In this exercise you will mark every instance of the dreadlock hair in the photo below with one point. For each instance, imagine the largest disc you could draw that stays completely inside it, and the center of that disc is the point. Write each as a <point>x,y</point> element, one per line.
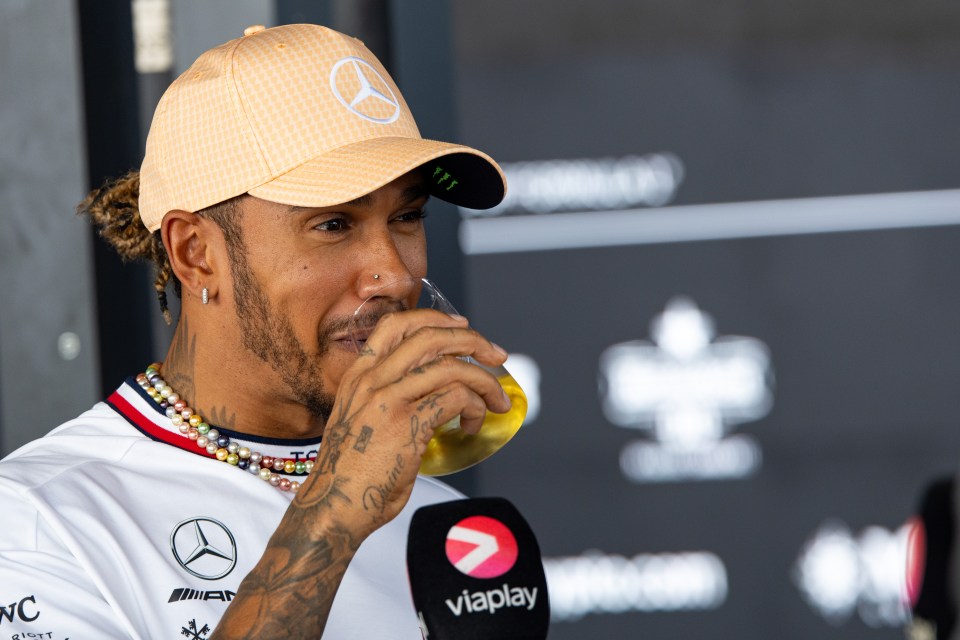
<point>114,210</point>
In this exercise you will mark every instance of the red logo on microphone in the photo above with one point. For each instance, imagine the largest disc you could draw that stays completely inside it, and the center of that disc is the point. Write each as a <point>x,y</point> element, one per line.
<point>481,547</point>
<point>916,559</point>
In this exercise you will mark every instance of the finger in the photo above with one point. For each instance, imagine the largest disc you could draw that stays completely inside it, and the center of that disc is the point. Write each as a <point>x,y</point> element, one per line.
<point>426,345</point>
<point>397,327</point>
<point>393,328</point>
<point>475,386</point>
<point>445,404</point>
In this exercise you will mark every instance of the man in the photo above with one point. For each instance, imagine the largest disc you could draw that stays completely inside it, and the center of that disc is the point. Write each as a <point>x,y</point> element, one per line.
<point>287,181</point>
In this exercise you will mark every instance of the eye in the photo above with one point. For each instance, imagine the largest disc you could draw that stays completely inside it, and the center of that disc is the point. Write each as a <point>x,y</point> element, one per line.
<point>411,216</point>
<point>334,225</point>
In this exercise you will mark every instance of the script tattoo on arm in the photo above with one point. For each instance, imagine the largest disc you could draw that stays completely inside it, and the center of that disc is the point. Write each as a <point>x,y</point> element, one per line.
<point>377,496</point>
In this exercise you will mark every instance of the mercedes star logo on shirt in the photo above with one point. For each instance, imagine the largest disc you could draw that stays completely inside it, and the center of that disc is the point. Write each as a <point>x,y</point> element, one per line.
<point>204,547</point>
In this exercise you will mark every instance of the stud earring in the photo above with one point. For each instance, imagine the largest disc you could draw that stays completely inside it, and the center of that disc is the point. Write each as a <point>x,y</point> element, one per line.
<point>376,276</point>
<point>205,296</point>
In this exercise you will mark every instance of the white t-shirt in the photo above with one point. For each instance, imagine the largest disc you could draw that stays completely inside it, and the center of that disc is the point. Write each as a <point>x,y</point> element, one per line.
<point>110,532</point>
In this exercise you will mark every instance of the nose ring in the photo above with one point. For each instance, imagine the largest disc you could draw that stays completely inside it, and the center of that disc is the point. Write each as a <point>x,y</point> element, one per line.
<point>376,276</point>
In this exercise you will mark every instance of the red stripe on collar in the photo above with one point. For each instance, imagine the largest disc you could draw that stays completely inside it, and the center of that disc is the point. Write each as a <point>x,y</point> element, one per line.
<point>151,430</point>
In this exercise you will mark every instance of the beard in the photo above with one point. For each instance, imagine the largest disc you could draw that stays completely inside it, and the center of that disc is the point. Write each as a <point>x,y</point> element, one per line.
<point>270,336</point>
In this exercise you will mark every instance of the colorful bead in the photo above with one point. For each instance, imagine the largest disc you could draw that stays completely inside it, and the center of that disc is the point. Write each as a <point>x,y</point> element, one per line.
<point>192,426</point>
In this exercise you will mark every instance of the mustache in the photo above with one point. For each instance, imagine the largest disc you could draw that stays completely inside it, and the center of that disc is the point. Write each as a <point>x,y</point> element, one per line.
<point>363,321</point>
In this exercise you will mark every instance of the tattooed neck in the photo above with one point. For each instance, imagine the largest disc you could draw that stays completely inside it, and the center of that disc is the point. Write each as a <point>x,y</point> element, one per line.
<point>179,367</point>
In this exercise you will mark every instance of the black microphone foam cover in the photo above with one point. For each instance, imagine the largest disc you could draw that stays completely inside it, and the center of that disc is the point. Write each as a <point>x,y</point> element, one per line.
<point>930,561</point>
<point>475,572</point>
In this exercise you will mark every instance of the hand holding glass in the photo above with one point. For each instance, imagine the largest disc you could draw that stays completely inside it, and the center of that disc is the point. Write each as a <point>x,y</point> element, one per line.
<point>452,449</point>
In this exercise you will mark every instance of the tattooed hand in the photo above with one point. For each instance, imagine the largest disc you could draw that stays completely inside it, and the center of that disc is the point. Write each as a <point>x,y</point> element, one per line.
<point>407,381</point>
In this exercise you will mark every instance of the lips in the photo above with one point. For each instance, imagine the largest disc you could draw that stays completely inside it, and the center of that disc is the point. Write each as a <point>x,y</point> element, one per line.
<point>361,326</point>
<point>357,335</point>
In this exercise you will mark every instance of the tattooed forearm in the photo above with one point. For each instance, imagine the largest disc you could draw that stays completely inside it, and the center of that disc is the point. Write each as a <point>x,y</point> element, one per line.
<point>323,498</point>
<point>290,591</point>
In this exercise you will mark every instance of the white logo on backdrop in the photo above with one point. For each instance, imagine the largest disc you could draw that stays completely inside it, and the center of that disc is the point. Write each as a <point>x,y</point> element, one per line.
<point>597,583</point>
<point>688,389</point>
<point>587,184</point>
<point>367,90</point>
<point>838,574</point>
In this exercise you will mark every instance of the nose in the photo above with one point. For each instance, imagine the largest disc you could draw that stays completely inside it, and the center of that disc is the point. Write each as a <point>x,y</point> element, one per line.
<point>385,274</point>
<point>399,288</point>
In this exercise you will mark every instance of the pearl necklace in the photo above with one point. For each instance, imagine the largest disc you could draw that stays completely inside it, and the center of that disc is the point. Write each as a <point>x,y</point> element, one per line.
<point>215,444</point>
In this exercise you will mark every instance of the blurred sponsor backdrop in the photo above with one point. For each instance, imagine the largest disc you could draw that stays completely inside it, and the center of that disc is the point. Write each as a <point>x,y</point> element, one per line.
<point>727,271</point>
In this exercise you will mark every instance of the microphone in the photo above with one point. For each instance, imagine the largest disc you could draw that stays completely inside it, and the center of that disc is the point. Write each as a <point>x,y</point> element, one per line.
<point>475,572</point>
<point>929,564</point>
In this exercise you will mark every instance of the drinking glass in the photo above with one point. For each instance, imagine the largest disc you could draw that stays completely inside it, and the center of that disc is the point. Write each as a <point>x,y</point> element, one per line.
<point>451,449</point>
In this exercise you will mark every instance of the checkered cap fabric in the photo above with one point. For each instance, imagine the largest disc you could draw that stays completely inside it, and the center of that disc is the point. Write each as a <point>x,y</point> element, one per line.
<point>300,115</point>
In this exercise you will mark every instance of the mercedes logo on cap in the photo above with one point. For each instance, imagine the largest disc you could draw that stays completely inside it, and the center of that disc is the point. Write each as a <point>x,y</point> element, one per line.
<point>374,96</point>
<point>204,547</point>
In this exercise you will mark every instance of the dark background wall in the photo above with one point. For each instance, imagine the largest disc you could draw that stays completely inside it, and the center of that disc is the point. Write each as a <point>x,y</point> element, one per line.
<point>761,101</point>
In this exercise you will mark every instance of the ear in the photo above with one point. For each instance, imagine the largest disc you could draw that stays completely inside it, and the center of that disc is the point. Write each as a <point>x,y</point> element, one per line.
<point>195,250</point>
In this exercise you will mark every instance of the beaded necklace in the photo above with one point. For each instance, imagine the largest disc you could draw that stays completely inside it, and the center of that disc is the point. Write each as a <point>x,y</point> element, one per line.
<point>215,444</point>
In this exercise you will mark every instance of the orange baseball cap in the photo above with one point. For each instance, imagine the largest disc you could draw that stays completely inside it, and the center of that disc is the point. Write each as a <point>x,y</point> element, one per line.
<point>297,114</point>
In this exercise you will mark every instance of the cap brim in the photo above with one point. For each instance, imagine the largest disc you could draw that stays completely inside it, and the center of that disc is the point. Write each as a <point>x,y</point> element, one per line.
<point>457,174</point>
